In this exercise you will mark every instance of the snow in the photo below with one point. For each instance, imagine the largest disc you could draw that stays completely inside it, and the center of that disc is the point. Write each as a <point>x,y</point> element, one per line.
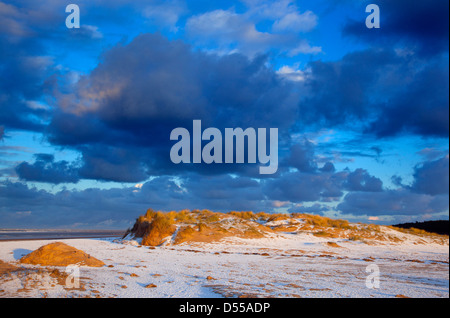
<point>283,265</point>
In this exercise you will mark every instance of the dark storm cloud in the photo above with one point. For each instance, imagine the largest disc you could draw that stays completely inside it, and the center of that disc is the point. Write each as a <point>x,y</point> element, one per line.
<point>45,169</point>
<point>422,107</point>
<point>432,177</point>
<point>96,207</point>
<point>428,194</point>
<point>302,157</point>
<point>119,116</point>
<point>324,185</point>
<point>380,91</point>
<point>153,81</point>
<point>217,192</point>
<point>31,208</point>
<point>314,209</point>
<point>328,167</point>
<point>361,180</point>
<point>421,25</point>
<point>24,67</point>
<point>393,202</point>
<point>92,207</point>
<point>21,84</point>
<point>207,189</point>
<point>71,130</point>
<point>33,37</point>
<point>112,164</point>
<point>143,90</point>
<point>340,91</point>
<point>29,31</point>
<point>304,187</point>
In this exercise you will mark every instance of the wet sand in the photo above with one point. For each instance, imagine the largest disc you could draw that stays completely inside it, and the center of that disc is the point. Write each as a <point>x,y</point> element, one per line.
<point>33,235</point>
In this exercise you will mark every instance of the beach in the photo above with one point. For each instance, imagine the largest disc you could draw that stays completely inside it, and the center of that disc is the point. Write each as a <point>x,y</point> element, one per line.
<point>285,265</point>
<point>47,234</point>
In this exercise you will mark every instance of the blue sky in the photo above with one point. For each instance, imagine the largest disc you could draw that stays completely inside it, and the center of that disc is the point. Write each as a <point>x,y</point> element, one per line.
<point>86,114</point>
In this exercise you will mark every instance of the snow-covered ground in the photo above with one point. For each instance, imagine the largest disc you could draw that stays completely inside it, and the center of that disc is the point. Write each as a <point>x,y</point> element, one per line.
<point>286,265</point>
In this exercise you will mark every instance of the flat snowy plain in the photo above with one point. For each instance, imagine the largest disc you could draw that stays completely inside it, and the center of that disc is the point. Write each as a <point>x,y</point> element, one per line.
<point>284,265</point>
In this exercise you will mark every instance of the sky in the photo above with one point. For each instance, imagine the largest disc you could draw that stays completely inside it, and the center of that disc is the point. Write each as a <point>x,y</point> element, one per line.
<point>86,113</point>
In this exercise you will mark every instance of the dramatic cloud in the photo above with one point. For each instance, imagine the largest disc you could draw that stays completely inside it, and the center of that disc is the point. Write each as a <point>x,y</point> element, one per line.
<point>29,34</point>
<point>393,203</point>
<point>360,180</point>
<point>421,107</point>
<point>296,22</point>
<point>85,208</point>
<point>380,90</point>
<point>428,194</point>
<point>141,91</point>
<point>305,187</point>
<point>363,130</point>
<point>302,157</point>
<point>45,169</point>
<point>112,164</point>
<point>316,208</point>
<point>340,92</point>
<point>93,207</point>
<point>353,193</point>
<point>421,25</point>
<point>22,84</point>
<point>432,177</point>
<point>228,31</point>
<point>121,115</point>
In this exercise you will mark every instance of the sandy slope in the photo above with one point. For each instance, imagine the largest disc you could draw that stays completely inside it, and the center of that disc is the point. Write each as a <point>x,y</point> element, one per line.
<point>286,265</point>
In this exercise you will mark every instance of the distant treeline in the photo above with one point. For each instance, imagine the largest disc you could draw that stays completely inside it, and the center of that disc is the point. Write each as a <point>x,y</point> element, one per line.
<point>439,227</point>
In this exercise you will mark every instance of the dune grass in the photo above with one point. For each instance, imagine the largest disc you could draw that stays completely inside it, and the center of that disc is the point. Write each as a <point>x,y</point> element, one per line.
<point>154,227</point>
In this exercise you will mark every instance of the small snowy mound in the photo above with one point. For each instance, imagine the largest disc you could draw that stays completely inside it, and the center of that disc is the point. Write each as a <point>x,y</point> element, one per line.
<point>60,254</point>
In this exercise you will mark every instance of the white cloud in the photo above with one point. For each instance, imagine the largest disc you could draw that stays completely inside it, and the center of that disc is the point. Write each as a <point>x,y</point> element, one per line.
<point>227,30</point>
<point>165,14</point>
<point>33,104</point>
<point>91,31</point>
<point>296,22</point>
<point>291,73</point>
<point>304,48</point>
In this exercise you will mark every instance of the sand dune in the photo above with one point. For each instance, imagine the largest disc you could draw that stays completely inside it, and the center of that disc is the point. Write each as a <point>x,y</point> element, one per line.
<point>60,254</point>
